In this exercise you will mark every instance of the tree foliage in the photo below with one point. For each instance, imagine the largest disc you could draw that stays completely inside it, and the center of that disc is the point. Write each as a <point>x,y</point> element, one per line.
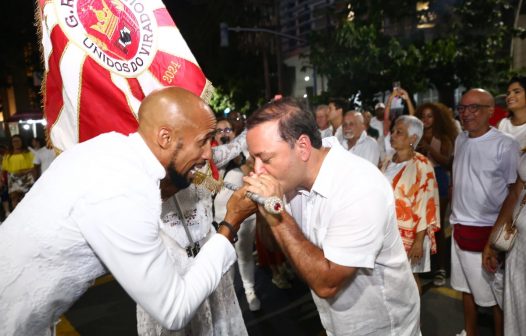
<point>468,46</point>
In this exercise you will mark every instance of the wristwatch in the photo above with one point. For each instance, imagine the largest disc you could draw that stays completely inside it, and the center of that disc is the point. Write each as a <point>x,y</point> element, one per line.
<point>231,229</point>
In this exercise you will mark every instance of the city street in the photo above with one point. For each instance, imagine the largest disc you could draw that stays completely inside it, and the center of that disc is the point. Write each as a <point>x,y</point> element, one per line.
<point>106,310</point>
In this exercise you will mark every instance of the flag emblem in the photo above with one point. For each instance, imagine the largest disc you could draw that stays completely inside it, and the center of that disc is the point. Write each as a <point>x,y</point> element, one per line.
<point>102,57</point>
<point>118,35</point>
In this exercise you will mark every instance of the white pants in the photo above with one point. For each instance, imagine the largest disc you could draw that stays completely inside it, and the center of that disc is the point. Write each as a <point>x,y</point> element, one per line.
<point>468,275</point>
<point>244,248</point>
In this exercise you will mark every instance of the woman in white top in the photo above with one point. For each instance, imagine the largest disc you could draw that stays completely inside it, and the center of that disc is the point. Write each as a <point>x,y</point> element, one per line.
<point>515,124</point>
<point>437,145</point>
<point>513,303</point>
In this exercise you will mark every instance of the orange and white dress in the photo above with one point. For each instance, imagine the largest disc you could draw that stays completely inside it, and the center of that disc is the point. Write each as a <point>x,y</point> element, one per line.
<point>416,198</point>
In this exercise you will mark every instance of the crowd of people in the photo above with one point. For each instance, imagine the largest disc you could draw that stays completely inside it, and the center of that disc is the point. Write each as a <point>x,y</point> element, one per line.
<point>464,173</point>
<point>21,166</point>
<point>367,198</point>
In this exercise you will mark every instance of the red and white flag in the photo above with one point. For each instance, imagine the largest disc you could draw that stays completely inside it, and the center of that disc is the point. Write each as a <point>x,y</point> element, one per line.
<point>102,57</point>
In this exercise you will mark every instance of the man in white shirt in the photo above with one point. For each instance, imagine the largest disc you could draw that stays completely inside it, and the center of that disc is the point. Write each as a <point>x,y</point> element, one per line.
<point>484,165</point>
<point>384,140</point>
<point>356,139</point>
<point>372,132</point>
<point>43,156</point>
<point>322,120</point>
<point>97,209</point>
<point>377,122</point>
<point>342,237</point>
<point>336,108</point>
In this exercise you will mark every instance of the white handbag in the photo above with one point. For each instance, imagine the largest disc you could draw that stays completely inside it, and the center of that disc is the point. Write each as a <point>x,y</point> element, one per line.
<point>502,240</point>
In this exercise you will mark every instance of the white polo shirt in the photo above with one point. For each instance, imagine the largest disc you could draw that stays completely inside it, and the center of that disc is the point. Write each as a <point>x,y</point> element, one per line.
<point>483,167</point>
<point>350,215</point>
<point>366,147</point>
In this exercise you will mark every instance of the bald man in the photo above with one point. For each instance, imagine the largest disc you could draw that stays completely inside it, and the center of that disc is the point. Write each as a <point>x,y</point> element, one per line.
<point>97,209</point>
<point>484,165</point>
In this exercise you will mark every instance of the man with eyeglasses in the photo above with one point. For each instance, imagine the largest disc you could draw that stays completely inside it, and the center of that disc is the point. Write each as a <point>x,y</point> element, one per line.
<point>485,164</point>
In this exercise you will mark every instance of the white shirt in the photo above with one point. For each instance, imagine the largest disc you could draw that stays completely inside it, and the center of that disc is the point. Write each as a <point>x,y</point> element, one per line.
<point>326,132</point>
<point>483,167</point>
<point>393,169</point>
<point>378,125</point>
<point>350,215</point>
<point>43,157</point>
<point>366,147</point>
<point>339,134</point>
<point>517,132</point>
<point>98,206</point>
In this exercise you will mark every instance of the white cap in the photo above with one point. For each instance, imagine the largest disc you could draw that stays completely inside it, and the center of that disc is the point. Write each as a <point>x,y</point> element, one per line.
<point>379,106</point>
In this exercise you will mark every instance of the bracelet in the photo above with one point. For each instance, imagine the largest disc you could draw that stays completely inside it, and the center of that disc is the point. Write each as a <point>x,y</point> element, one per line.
<point>231,228</point>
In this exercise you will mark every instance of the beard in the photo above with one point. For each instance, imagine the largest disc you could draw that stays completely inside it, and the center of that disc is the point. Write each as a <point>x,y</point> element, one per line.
<point>179,180</point>
<point>348,136</point>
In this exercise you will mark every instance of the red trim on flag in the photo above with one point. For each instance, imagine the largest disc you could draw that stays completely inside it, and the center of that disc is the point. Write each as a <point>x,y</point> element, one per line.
<point>171,70</point>
<point>103,107</point>
<point>135,88</point>
<point>214,169</point>
<point>53,100</point>
<point>163,17</point>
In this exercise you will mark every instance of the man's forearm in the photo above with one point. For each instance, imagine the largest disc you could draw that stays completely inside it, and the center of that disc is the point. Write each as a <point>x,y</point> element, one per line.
<point>322,276</point>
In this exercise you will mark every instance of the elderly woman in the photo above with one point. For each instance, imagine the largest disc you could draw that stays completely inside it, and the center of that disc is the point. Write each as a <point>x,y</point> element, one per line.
<point>416,194</point>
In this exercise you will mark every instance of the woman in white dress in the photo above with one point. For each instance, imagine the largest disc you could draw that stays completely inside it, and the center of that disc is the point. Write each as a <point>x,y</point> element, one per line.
<point>416,193</point>
<point>514,305</point>
<point>515,124</point>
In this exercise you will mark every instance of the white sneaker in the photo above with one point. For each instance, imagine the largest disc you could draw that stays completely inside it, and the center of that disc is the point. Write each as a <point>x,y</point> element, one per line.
<point>253,302</point>
<point>462,333</point>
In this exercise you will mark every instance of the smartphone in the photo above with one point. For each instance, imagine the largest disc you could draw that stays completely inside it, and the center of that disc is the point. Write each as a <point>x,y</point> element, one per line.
<point>396,85</point>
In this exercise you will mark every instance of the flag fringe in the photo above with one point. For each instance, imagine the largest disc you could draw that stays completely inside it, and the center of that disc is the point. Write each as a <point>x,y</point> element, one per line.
<point>38,26</point>
<point>208,92</point>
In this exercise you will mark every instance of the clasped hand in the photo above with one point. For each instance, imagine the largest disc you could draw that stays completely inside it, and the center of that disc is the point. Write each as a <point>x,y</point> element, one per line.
<point>267,186</point>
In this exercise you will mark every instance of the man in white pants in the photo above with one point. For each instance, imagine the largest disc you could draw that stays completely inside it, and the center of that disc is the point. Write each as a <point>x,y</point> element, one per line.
<point>485,164</point>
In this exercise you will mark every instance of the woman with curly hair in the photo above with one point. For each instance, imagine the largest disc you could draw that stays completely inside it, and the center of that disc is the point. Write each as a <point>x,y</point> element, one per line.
<point>437,144</point>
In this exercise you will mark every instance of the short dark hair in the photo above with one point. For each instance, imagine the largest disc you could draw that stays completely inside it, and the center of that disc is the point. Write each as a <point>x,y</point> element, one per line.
<point>339,103</point>
<point>40,141</point>
<point>518,79</point>
<point>294,120</point>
